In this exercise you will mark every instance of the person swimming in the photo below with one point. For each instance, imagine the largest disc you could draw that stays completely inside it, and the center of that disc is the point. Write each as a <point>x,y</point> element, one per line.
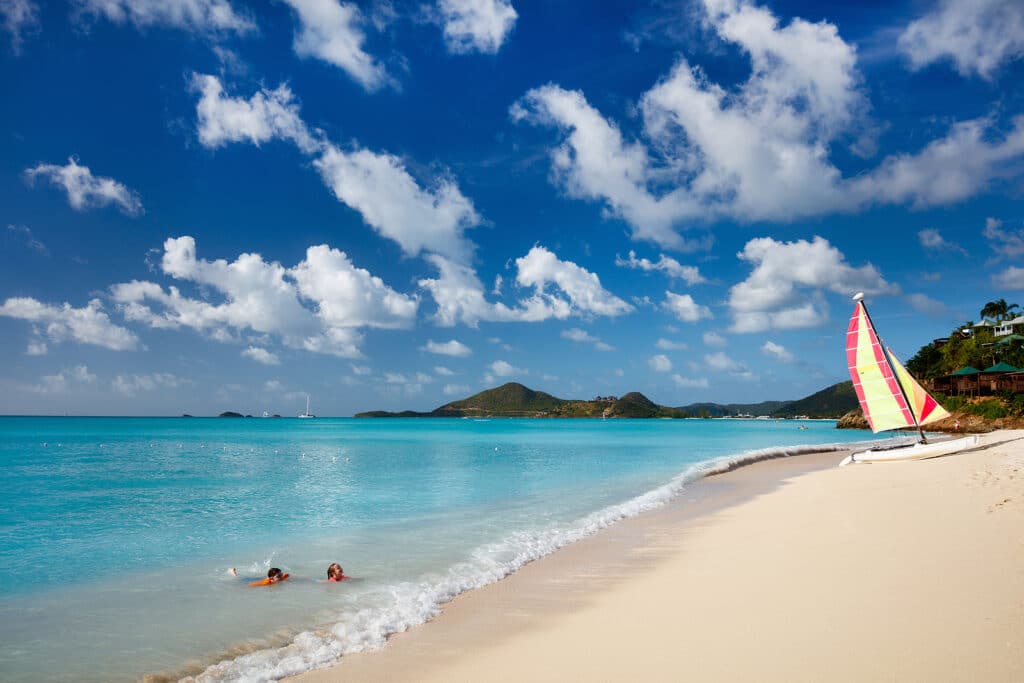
<point>274,575</point>
<point>335,573</point>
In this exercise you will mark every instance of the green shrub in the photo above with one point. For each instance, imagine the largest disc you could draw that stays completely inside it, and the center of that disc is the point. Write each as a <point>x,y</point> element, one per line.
<point>990,409</point>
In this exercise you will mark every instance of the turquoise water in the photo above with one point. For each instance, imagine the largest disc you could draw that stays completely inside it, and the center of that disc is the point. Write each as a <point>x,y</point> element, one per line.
<point>117,533</point>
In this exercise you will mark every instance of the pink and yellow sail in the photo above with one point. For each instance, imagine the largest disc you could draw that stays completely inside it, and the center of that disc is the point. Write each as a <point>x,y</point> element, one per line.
<point>889,396</point>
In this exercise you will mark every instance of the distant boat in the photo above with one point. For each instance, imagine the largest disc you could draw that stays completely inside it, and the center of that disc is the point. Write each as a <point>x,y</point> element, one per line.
<point>889,396</point>
<point>266,413</point>
<point>307,414</point>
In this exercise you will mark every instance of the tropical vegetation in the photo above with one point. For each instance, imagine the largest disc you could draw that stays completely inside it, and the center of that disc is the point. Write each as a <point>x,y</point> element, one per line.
<point>971,346</point>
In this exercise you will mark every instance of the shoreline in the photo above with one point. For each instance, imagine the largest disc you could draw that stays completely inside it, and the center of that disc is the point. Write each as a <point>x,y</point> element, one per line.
<point>677,591</point>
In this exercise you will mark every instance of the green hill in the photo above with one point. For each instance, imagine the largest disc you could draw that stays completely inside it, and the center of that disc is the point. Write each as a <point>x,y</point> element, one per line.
<point>834,401</point>
<point>508,399</point>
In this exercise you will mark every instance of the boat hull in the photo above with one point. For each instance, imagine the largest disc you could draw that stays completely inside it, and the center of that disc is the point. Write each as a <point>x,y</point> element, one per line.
<point>917,451</point>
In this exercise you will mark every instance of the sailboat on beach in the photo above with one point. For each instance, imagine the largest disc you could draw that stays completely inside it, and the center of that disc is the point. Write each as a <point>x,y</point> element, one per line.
<point>889,396</point>
<point>307,414</point>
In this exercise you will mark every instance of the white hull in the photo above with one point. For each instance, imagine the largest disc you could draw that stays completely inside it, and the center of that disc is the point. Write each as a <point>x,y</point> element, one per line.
<point>917,451</point>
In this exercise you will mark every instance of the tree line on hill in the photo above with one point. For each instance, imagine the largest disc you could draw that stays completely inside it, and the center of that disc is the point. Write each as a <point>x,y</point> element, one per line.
<point>968,345</point>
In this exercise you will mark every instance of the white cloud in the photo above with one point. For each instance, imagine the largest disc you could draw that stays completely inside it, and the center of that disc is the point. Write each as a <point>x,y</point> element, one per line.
<point>377,185</point>
<point>20,17</point>
<point>502,368</point>
<point>273,386</point>
<point>332,31</point>
<point>452,347</point>
<point>561,289</point>
<point>476,25</point>
<point>88,325</point>
<point>86,191</point>
<point>926,304</point>
<point>1011,278</point>
<point>266,297</point>
<point>540,267</point>
<point>261,356</point>
<point>714,339</point>
<point>81,373</point>
<point>267,115</point>
<point>759,151</point>
<point>361,370</point>
<point>380,188</point>
<point>932,240</point>
<point>582,336</point>
<point>455,389</point>
<point>777,351</point>
<point>977,35</point>
<point>671,267</point>
<point>775,295</point>
<point>51,384</point>
<point>443,371</point>
<point>685,308</point>
<point>669,345</point>
<point>36,348</point>
<point>1006,243</point>
<point>198,16</point>
<point>660,363</point>
<point>720,361</point>
<point>689,382</point>
<point>129,385</point>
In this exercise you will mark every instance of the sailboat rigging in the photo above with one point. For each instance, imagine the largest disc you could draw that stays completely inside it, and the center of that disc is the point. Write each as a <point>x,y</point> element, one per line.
<point>307,414</point>
<point>889,396</point>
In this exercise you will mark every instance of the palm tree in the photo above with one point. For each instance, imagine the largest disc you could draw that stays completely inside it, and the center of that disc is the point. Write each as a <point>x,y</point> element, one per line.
<point>998,309</point>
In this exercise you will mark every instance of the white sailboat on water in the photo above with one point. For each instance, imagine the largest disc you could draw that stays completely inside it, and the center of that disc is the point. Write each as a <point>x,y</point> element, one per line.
<point>890,397</point>
<point>307,414</point>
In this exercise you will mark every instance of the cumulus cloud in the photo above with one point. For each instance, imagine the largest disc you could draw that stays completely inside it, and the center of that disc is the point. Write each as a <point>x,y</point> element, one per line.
<point>784,289</point>
<point>671,267</point>
<point>932,240</point>
<point>660,363</point>
<point>927,305</point>
<point>690,382</point>
<point>759,151</point>
<point>714,339</point>
<point>683,307</point>
<point>560,289</point>
<point>1011,278</point>
<point>331,31</point>
<point>88,325</point>
<point>36,347</point>
<point>452,347</point>
<point>1005,243</point>
<point>268,298</point>
<point>777,351</point>
<point>261,355</point>
<point>669,345</point>
<point>130,385</point>
<point>377,185</point>
<point>61,383</point>
<point>267,115</point>
<point>442,371</point>
<point>583,337</point>
<point>86,191</point>
<point>502,368</point>
<point>20,18</point>
<point>976,35</point>
<point>720,361</point>
<point>455,389</point>
<point>361,370</point>
<point>197,16</point>
<point>476,25</point>
<point>391,202</point>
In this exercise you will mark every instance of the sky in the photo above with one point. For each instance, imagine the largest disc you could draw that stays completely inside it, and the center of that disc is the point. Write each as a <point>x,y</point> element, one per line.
<point>211,205</point>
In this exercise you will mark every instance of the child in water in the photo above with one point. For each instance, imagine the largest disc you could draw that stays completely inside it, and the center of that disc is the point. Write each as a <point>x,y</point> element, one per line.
<point>336,573</point>
<point>274,575</point>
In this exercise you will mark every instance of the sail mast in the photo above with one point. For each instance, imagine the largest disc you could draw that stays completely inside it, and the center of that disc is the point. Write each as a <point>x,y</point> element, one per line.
<point>885,351</point>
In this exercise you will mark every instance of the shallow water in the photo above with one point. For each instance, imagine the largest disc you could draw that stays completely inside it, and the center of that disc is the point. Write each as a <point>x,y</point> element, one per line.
<point>118,532</point>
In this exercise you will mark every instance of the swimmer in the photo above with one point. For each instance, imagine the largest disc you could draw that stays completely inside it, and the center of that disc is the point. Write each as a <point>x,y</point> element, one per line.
<point>335,573</point>
<point>274,575</point>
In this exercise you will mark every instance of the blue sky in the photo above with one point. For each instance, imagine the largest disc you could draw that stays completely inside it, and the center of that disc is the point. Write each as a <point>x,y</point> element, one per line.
<point>209,204</point>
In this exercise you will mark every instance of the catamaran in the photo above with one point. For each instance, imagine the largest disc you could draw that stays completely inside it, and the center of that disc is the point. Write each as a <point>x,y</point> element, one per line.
<point>307,414</point>
<point>889,396</point>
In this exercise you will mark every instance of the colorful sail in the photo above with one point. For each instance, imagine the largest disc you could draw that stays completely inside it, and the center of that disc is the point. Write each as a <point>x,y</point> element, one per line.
<point>874,380</point>
<point>925,408</point>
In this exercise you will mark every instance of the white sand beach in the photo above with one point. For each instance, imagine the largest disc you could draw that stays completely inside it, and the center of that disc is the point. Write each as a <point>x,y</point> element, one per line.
<point>786,570</point>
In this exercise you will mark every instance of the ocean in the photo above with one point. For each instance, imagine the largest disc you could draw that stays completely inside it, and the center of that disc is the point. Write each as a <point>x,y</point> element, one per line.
<point>117,534</point>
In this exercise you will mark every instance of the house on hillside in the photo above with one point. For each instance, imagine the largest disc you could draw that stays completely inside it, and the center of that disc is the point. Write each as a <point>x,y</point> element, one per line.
<point>1007,327</point>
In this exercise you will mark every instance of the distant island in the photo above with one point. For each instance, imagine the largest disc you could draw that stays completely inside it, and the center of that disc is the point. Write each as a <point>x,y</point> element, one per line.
<point>515,400</point>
